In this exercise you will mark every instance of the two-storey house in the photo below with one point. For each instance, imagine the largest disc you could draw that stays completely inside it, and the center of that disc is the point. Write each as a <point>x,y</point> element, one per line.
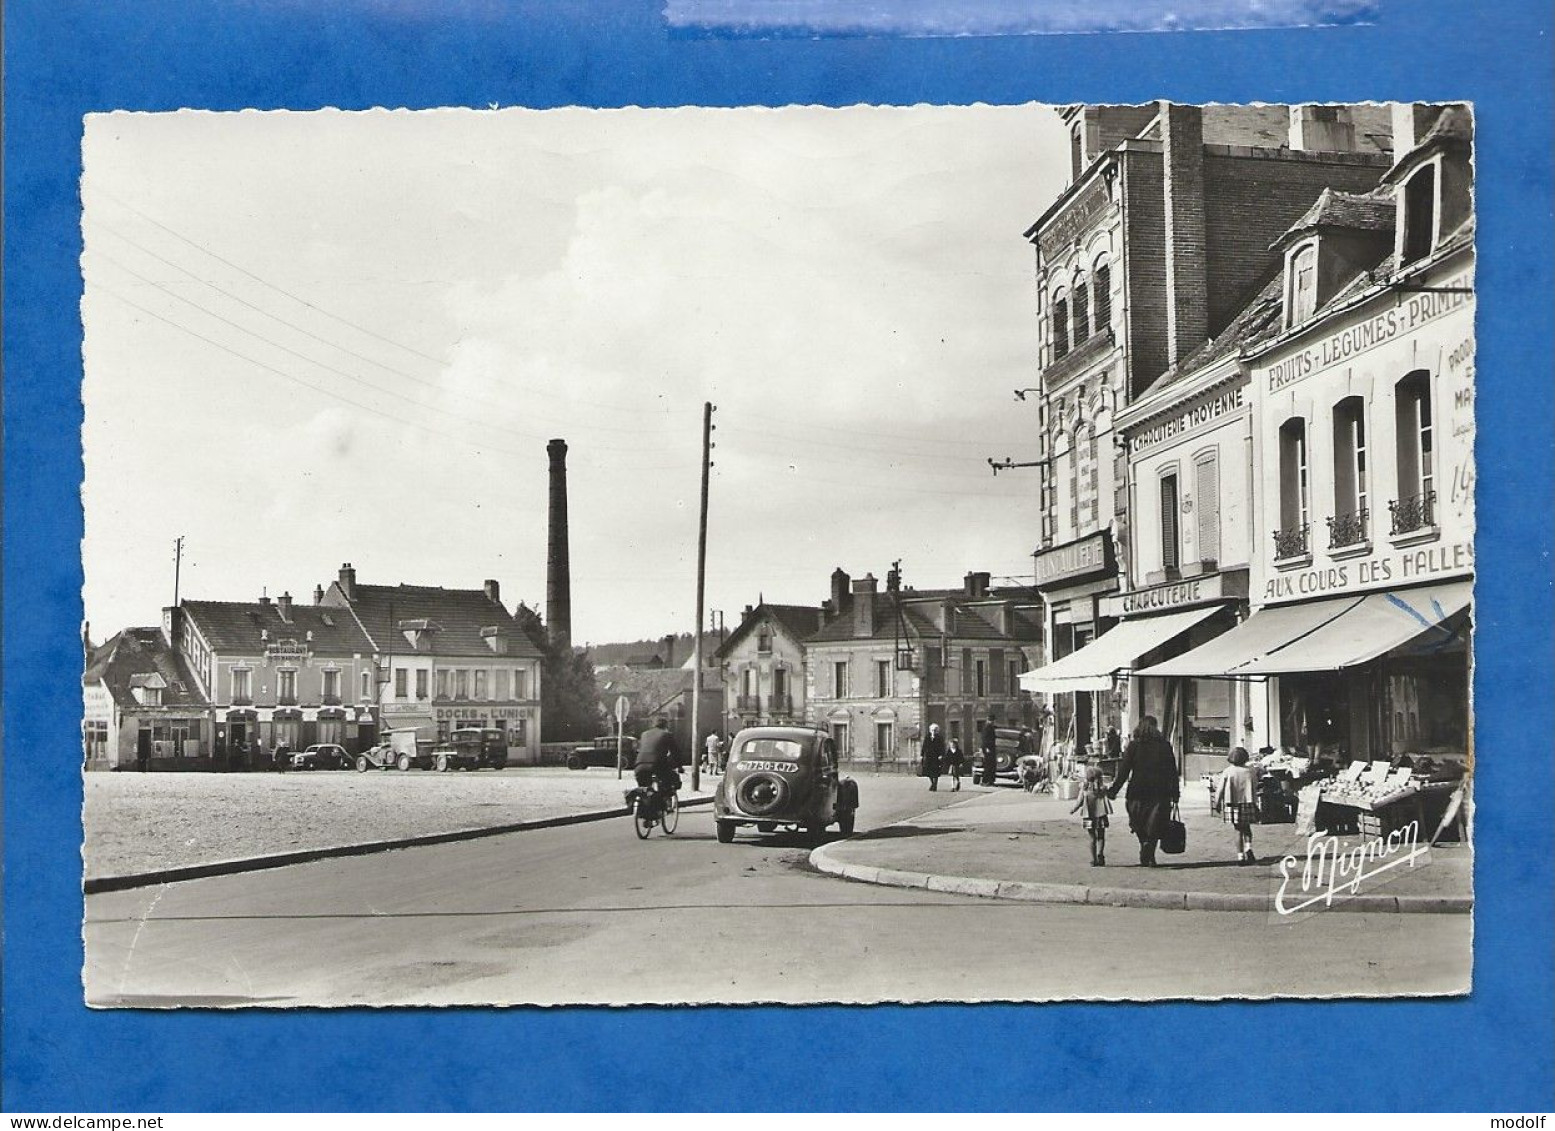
<point>446,659</point>
<point>763,661</point>
<point>277,672</point>
<point>142,705</point>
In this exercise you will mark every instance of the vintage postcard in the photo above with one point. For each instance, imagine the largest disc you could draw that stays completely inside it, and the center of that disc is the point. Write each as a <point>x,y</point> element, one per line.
<point>1109,469</point>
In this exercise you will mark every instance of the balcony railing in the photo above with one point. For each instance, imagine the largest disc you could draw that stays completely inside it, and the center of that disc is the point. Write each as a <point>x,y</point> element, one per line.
<point>748,702</point>
<point>780,705</point>
<point>1348,529</point>
<point>1413,512</point>
<point>331,700</point>
<point>243,700</point>
<point>1292,542</point>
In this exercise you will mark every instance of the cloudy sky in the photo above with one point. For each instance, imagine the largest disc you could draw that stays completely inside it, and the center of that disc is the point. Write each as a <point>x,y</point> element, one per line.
<point>327,337</point>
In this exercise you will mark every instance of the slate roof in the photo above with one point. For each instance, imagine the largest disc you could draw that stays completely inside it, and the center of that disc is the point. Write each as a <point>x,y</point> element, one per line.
<point>1259,320</point>
<point>459,615</point>
<point>235,626</point>
<point>971,622</point>
<point>649,690</point>
<point>1363,212</point>
<point>139,657</point>
<point>799,621</point>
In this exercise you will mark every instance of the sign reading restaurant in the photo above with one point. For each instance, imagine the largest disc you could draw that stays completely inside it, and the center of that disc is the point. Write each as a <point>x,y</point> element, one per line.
<point>1191,417</point>
<point>1410,314</point>
<point>1395,568</point>
<point>1085,556</point>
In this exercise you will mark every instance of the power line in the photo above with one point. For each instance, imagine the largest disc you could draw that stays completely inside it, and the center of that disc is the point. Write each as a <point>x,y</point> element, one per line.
<point>312,306</point>
<point>463,439</point>
<point>483,423</point>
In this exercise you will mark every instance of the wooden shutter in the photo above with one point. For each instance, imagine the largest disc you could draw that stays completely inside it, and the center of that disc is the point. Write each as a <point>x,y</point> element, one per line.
<point>1207,488</point>
<point>996,676</point>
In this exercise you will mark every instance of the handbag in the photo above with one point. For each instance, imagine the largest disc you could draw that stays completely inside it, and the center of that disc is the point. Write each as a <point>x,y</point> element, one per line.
<point>1174,838</point>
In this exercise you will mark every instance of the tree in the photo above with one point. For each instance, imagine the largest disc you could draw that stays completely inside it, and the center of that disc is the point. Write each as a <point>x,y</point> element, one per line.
<point>569,696</point>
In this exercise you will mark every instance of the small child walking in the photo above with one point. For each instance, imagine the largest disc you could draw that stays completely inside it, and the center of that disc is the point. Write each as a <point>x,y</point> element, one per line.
<point>1096,805</point>
<point>1237,799</point>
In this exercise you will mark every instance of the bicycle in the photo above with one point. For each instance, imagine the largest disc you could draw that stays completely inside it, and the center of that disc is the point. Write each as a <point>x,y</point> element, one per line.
<point>652,807</point>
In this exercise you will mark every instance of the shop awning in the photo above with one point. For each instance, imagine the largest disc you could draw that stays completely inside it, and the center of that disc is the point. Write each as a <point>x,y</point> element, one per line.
<point>1378,623</point>
<point>1326,635</point>
<point>1254,638</point>
<point>1093,667</point>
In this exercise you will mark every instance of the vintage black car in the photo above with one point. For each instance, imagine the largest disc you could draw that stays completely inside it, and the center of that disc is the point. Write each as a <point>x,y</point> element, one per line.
<point>602,752</point>
<point>784,777</point>
<point>322,756</point>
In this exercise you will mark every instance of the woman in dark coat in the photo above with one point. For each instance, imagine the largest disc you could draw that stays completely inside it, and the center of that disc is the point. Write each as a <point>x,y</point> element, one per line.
<point>1150,768</point>
<point>933,755</point>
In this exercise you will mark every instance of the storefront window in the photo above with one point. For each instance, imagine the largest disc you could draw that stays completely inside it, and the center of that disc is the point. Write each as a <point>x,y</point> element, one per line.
<point>1209,707</point>
<point>1427,705</point>
<point>1314,712</point>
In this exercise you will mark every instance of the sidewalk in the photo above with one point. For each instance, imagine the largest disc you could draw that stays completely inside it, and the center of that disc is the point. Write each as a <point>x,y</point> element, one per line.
<point>1009,844</point>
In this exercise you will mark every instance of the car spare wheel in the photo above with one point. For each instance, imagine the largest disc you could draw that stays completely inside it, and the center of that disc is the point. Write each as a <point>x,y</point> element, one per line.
<point>762,793</point>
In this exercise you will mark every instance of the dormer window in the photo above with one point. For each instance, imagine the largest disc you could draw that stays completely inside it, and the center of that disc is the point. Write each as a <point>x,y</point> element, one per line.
<point>495,639</point>
<point>1419,220</point>
<point>1301,285</point>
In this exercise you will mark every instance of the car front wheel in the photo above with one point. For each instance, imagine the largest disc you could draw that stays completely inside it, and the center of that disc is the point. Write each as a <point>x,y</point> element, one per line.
<point>361,763</point>
<point>404,762</point>
<point>725,832</point>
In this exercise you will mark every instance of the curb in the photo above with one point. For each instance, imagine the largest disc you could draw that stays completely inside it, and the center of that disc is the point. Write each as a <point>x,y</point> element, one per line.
<point>97,884</point>
<point>1035,892</point>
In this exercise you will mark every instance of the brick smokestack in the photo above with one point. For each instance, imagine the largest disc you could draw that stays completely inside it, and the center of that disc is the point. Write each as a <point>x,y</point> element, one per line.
<point>558,573</point>
<point>1187,277</point>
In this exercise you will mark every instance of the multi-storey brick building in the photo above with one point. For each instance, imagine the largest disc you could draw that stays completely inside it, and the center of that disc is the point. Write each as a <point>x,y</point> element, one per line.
<point>1156,245</point>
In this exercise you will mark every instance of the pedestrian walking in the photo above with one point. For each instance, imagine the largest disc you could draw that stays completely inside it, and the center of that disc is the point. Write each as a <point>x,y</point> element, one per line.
<point>1114,746</point>
<point>283,756</point>
<point>990,754</point>
<point>714,746</point>
<point>933,756</point>
<point>1150,768</point>
<point>1094,805</point>
<point>955,759</point>
<point>1237,799</point>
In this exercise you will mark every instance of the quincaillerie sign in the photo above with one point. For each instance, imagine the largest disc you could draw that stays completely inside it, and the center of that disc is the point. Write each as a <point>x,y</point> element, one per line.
<point>1081,558</point>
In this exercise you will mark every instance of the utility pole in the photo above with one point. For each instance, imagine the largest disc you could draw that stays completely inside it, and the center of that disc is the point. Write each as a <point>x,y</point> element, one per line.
<point>178,565</point>
<point>696,654</point>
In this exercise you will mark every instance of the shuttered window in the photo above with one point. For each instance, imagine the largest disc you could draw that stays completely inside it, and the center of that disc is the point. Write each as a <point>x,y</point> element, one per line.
<point>1170,556</point>
<point>1207,490</point>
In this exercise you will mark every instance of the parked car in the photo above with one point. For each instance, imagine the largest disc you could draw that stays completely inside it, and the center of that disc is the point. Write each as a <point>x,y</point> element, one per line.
<point>1006,750</point>
<point>783,777</point>
<point>602,752</point>
<point>463,750</point>
<point>322,756</point>
<point>400,750</point>
<point>490,744</point>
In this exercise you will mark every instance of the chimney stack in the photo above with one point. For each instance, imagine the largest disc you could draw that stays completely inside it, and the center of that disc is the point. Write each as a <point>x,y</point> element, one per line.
<point>976,584</point>
<point>318,594</point>
<point>864,605</point>
<point>283,604</point>
<point>669,650</point>
<point>348,581</point>
<point>839,589</point>
<point>558,574</point>
<point>493,591</point>
<point>1187,279</point>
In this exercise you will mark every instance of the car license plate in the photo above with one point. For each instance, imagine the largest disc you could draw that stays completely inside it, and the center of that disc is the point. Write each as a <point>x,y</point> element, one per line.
<point>776,767</point>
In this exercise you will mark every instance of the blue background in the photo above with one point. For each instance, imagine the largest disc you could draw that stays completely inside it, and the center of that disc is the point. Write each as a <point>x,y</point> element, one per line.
<point>1492,1051</point>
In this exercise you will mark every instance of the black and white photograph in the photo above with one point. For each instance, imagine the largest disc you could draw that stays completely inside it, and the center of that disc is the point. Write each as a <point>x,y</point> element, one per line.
<point>869,554</point>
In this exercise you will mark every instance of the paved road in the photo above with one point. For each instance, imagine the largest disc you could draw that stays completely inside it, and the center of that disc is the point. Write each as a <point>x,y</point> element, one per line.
<point>589,914</point>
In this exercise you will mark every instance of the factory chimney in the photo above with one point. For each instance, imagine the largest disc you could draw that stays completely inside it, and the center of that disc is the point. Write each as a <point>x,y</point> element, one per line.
<point>558,577</point>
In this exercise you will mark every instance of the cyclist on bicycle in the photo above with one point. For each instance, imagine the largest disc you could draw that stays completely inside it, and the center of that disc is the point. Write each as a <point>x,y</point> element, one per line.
<point>658,759</point>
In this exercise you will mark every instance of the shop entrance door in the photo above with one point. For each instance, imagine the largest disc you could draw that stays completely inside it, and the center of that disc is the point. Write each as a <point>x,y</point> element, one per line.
<point>1083,720</point>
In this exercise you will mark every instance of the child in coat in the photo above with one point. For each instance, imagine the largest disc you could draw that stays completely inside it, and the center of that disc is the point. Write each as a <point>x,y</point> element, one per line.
<point>1094,802</point>
<point>1237,799</point>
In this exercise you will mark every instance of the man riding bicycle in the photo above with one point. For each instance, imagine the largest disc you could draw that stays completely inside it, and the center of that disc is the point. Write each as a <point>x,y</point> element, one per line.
<point>658,759</point>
